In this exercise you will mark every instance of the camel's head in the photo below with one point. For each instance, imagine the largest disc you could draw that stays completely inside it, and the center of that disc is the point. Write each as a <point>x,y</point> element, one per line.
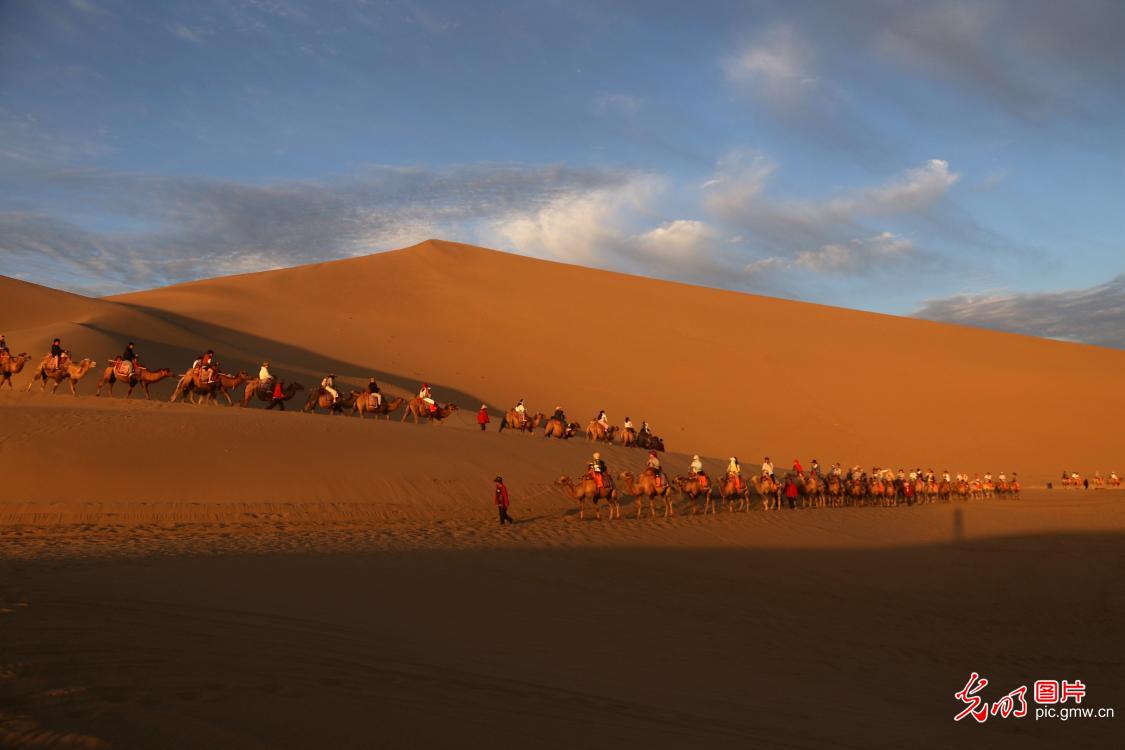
<point>164,372</point>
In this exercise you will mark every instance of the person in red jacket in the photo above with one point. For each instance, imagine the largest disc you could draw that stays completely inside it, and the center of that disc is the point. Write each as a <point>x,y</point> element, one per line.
<point>482,416</point>
<point>791,492</point>
<point>798,468</point>
<point>502,501</point>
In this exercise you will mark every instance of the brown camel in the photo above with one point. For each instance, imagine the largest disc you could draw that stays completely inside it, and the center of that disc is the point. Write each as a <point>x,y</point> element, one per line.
<point>557,429</point>
<point>140,376</point>
<point>834,486</point>
<point>251,390</point>
<point>191,384</point>
<point>11,365</point>
<point>364,405</point>
<point>647,486</point>
<point>320,399</point>
<point>695,487</point>
<point>587,489</point>
<point>597,431</point>
<point>857,491</point>
<point>812,491</point>
<point>511,421</point>
<point>628,437</point>
<point>69,371</point>
<point>767,488</point>
<point>732,487</point>
<point>418,408</point>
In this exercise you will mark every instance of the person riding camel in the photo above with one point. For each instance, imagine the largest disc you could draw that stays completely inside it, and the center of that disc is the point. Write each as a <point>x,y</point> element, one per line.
<point>653,465</point>
<point>559,416</point>
<point>5,354</point>
<point>603,420</point>
<point>646,429</point>
<point>695,468</point>
<point>767,468</point>
<point>207,366</point>
<point>56,355</point>
<point>264,375</point>
<point>130,356</point>
<point>629,429</point>
<point>374,395</point>
<point>598,471</point>
<point>814,469</point>
<point>427,396</point>
<point>329,386</point>
<point>734,471</point>
<point>945,476</point>
<point>521,412</point>
<point>798,468</point>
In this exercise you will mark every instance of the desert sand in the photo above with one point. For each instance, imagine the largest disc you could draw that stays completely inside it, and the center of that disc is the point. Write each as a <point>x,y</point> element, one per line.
<point>183,576</point>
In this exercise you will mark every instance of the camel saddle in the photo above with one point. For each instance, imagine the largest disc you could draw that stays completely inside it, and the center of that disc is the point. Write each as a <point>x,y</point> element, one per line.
<point>373,401</point>
<point>703,479</point>
<point>4,357</point>
<point>265,388</point>
<point>123,369</point>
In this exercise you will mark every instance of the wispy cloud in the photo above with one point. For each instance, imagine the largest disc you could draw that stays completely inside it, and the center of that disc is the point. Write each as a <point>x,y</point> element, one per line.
<point>167,229</point>
<point>1095,315</point>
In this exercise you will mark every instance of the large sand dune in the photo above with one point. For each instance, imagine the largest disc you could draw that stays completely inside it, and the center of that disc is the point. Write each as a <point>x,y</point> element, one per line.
<point>177,576</point>
<point>714,372</point>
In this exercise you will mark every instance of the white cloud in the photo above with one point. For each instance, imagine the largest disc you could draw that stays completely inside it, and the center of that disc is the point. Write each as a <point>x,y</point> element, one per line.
<point>778,64</point>
<point>186,33</point>
<point>855,255</point>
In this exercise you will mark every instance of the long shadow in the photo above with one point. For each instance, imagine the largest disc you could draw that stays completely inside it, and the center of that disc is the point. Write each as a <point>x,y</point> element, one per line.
<point>614,647</point>
<point>242,350</point>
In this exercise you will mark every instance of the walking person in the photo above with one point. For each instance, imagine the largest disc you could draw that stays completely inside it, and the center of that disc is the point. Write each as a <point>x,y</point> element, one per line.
<point>791,491</point>
<point>502,501</point>
<point>482,417</point>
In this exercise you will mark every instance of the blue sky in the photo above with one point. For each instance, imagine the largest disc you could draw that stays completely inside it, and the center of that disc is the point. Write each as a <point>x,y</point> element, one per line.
<point>957,160</point>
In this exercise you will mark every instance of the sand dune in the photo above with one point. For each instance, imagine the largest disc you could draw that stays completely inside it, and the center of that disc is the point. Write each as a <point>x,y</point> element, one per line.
<point>232,578</point>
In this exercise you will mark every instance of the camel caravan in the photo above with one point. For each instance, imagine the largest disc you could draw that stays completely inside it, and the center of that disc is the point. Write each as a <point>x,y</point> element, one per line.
<point>1074,480</point>
<point>597,430</point>
<point>795,489</point>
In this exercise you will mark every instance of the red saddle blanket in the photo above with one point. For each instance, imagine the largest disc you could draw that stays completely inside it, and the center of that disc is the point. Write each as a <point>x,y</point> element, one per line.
<point>373,401</point>
<point>704,480</point>
<point>123,369</point>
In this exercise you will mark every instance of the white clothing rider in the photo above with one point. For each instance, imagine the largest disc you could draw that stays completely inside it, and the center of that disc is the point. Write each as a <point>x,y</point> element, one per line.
<point>426,394</point>
<point>603,420</point>
<point>767,467</point>
<point>629,425</point>
<point>1003,477</point>
<point>653,462</point>
<point>696,466</point>
<point>264,375</point>
<point>945,476</point>
<point>329,386</point>
<point>521,411</point>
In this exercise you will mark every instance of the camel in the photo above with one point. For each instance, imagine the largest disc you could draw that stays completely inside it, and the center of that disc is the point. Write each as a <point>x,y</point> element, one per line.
<point>587,489</point>
<point>191,383</point>
<point>768,489</point>
<point>385,408</point>
<point>557,429</point>
<point>729,490</point>
<point>418,408</point>
<point>511,421</point>
<point>646,486</point>
<point>596,431</point>
<point>320,399</point>
<point>812,491</point>
<point>693,487</point>
<point>1114,480</point>
<point>11,365</point>
<point>648,441</point>
<point>835,488</point>
<point>140,376</point>
<point>252,390</point>
<point>71,371</point>
<point>628,437</point>
<point>857,491</point>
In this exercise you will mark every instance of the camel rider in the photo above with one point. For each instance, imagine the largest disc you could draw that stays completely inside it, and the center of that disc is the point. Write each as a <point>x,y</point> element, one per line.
<point>767,468</point>
<point>629,429</point>
<point>56,355</point>
<point>734,471</point>
<point>945,476</point>
<point>798,468</point>
<point>559,415</point>
<point>4,353</point>
<point>645,429</point>
<point>598,470</point>
<point>814,469</point>
<point>988,476</point>
<point>695,468</point>
<point>374,394</point>
<point>427,396</point>
<point>603,420</point>
<point>836,470</point>
<point>329,386</point>
<point>264,376</point>
<point>521,412</point>
<point>901,475</point>
<point>653,463</point>
<point>130,356</point>
<point>207,366</point>
<point>1003,477</point>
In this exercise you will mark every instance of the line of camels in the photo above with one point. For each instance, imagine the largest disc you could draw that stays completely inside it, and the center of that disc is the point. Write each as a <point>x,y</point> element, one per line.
<point>595,430</point>
<point>738,494</point>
